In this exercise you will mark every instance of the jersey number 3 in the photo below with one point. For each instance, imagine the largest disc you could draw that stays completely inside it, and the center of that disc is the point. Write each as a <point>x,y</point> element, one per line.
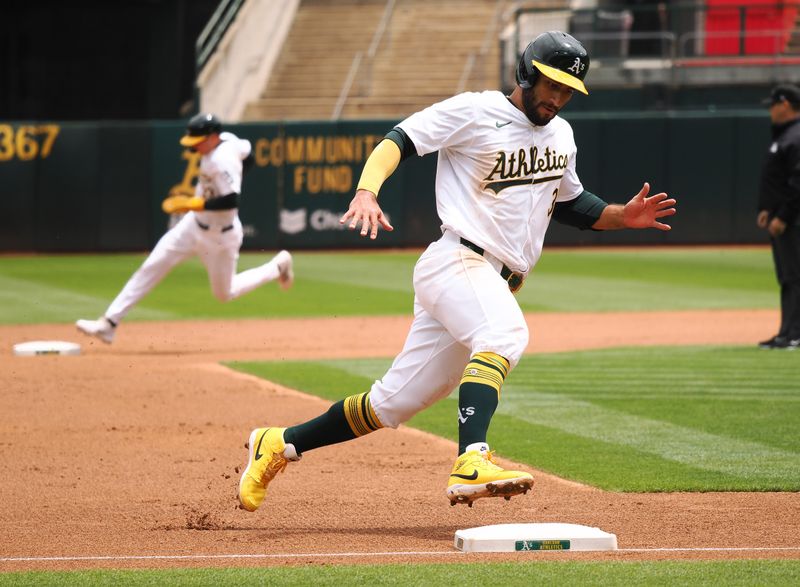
<point>553,203</point>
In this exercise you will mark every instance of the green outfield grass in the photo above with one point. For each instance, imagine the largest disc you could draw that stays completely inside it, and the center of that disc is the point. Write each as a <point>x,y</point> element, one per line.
<point>36,289</point>
<point>524,574</point>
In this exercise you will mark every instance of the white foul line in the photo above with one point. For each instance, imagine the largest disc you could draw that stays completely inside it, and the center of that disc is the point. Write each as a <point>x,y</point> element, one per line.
<point>710,548</point>
<point>357,554</point>
<point>218,556</point>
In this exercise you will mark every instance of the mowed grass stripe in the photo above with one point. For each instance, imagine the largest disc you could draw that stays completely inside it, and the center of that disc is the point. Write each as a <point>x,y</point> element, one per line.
<point>69,287</point>
<point>706,267</point>
<point>699,370</point>
<point>681,444</point>
<point>563,293</point>
<point>649,278</point>
<point>387,271</point>
<point>21,301</point>
<point>724,383</point>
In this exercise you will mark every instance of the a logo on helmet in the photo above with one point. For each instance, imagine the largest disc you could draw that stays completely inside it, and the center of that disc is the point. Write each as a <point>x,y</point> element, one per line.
<point>576,67</point>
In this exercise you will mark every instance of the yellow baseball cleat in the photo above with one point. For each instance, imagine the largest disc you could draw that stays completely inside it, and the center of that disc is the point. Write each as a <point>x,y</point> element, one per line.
<point>475,475</point>
<point>266,459</point>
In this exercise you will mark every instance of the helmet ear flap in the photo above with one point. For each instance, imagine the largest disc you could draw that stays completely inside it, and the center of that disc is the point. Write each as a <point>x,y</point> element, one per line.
<point>522,74</point>
<point>527,74</point>
<point>533,77</point>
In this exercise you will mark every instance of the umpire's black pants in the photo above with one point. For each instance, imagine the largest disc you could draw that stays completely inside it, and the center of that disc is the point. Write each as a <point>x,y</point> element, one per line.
<point>786,254</point>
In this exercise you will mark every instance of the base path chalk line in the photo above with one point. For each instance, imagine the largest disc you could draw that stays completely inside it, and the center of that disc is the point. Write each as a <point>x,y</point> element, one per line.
<point>357,554</point>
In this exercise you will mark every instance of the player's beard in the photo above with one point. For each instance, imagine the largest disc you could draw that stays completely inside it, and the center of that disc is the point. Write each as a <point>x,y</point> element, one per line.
<point>531,103</point>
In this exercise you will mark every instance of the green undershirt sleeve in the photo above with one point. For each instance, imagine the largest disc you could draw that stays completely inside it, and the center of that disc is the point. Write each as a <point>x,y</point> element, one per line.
<point>226,202</point>
<point>582,212</point>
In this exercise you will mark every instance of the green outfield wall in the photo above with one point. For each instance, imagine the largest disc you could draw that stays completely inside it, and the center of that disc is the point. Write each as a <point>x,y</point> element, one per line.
<point>98,186</point>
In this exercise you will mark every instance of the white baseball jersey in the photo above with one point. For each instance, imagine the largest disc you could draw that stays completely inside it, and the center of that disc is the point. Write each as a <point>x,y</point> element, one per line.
<point>498,175</point>
<point>221,174</point>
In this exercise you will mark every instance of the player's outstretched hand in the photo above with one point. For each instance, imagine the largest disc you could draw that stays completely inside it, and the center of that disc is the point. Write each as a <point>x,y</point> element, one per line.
<point>644,212</point>
<point>364,209</point>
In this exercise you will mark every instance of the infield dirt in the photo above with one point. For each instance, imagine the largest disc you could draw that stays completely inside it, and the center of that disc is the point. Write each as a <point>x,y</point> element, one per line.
<point>132,450</point>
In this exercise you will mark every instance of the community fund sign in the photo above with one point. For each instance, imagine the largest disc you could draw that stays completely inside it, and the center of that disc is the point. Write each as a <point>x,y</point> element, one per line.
<point>319,164</point>
<point>317,170</point>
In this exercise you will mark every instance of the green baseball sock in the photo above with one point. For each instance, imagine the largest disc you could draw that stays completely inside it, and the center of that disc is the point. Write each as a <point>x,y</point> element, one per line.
<point>476,406</point>
<point>345,420</point>
<point>478,396</point>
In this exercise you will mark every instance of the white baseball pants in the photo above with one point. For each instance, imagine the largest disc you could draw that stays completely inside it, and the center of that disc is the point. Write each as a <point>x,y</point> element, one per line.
<point>218,250</point>
<point>461,307</point>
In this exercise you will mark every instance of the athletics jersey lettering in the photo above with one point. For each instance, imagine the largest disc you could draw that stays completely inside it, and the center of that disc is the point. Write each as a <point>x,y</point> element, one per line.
<point>521,167</point>
<point>493,185</point>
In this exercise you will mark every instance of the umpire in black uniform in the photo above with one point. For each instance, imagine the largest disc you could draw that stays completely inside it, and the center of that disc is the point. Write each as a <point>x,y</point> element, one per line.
<point>779,209</point>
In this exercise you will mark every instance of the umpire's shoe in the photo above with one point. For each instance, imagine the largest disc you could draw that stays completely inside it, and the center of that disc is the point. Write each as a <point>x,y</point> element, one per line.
<point>268,455</point>
<point>102,328</point>
<point>780,342</point>
<point>475,475</point>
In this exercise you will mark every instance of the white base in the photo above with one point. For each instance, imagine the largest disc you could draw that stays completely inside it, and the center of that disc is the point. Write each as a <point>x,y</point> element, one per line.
<point>46,347</point>
<point>526,537</point>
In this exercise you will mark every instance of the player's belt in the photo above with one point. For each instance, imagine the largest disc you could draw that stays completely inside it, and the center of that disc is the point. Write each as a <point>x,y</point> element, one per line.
<point>206,226</point>
<point>514,279</point>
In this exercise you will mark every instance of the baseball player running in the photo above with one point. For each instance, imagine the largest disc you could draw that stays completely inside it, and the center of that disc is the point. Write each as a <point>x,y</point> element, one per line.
<point>210,229</point>
<point>506,166</point>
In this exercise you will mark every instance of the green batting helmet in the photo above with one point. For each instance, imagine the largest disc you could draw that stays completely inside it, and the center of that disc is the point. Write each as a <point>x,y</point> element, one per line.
<point>557,56</point>
<point>199,128</point>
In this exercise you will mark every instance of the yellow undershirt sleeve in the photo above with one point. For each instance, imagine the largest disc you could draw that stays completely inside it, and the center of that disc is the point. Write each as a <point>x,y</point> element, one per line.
<point>380,164</point>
